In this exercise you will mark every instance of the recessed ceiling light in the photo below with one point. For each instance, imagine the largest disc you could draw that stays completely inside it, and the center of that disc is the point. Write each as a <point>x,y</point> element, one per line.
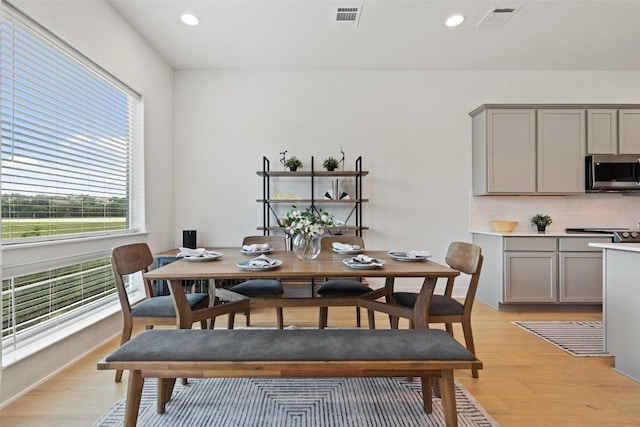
<point>190,19</point>
<point>454,20</point>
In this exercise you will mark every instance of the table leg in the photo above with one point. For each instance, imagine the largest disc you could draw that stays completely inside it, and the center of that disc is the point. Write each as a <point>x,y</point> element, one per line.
<point>423,302</point>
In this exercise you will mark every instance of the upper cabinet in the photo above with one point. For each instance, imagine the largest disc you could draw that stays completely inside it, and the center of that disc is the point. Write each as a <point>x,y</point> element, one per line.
<point>541,148</point>
<point>629,142</point>
<point>504,151</point>
<point>613,131</point>
<point>561,151</point>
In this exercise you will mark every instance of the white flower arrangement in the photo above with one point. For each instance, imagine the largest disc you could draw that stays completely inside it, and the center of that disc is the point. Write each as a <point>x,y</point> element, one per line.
<point>310,222</point>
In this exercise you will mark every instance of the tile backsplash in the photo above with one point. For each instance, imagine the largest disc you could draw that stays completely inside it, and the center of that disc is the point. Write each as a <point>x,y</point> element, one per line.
<point>588,210</point>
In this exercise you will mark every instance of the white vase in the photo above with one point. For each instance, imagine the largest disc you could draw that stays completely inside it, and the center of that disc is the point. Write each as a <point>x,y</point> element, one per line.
<point>306,247</point>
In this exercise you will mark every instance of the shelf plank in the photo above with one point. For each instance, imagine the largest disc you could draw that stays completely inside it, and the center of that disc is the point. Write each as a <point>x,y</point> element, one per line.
<point>333,174</point>
<point>308,201</point>
<point>346,228</point>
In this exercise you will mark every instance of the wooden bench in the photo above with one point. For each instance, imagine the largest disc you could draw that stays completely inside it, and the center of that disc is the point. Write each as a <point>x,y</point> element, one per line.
<point>303,353</point>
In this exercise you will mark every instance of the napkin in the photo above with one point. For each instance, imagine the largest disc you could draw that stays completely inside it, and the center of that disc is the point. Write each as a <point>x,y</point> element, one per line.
<point>363,259</point>
<point>261,261</point>
<point>345,247</point>
<point>191,252</point>
<point>256,247</point>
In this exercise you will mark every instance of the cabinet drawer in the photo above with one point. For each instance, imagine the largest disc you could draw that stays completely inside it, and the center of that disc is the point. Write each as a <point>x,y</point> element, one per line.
<point>530,244</point>
<point>581,244</point>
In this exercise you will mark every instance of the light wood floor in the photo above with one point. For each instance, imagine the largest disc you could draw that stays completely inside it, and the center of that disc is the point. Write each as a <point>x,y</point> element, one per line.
<point>525,381</point>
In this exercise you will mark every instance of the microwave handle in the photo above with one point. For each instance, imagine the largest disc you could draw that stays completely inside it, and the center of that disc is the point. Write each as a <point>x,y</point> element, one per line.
<point>636,172</point>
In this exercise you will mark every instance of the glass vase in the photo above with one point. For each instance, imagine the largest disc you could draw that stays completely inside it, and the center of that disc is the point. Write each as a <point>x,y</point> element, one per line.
<point>306,247</point>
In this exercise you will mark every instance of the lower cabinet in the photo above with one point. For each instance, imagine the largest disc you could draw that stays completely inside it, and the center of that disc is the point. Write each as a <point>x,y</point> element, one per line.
<point>540,270</point>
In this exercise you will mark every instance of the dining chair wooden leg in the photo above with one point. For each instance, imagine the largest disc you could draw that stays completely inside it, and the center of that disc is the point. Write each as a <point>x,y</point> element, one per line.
<point>247,315</point>
<point>468,339</point>
<point>394,322</point>
<point>358,317</point>
<point>324,315</point>
<point>427,394</point>
<point>371,318</point>
<point>127,328</point>
<point>449,328</point>
<point>231,320</point>
<point>280,318</point>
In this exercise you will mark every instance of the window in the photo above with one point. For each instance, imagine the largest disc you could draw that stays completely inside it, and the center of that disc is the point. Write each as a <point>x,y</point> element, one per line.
<point>72,167</point>
<point>68,132</point>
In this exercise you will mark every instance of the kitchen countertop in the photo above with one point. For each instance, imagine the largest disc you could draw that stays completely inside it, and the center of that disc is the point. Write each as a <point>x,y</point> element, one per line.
<point>534,233</point>
<point>629,247</point>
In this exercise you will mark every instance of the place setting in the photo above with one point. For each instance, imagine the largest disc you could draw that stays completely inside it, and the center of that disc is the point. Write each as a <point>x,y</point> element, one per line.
<point>412,255</point>
<point>256,249</point>
<point>363,262</point>
<point>198,255</point>
<point>260,263</point>
<point>345,248</point>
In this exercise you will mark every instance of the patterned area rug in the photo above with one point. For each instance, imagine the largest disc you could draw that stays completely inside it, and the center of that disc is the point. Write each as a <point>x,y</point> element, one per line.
<point>375,402</point>
<point>576,338</point>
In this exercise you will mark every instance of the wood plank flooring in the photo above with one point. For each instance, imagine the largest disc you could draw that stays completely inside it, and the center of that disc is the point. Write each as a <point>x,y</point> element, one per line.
<point>525,381</point>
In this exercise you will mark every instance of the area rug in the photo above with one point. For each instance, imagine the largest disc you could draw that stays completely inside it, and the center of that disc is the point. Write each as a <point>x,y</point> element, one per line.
<point>576,338</point>
<point>321,402</point>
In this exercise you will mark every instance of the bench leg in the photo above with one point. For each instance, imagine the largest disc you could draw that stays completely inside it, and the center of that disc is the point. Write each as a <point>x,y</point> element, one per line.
<point>427,394</point>
<point>447,390</point>
<point>134,394</point>
<point>165,389</point>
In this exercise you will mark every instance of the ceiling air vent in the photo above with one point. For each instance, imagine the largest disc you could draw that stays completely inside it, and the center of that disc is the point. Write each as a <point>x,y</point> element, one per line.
<point>497,17</point>
<point>347,16</point>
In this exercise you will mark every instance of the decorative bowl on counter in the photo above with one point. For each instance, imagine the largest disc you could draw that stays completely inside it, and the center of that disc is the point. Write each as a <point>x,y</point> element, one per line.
<point>504,226</point>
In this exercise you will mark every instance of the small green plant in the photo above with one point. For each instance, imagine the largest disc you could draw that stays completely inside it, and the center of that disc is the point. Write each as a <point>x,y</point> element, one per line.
<point>293,163</point>
<point>541,220</point>
<point>330,163</point>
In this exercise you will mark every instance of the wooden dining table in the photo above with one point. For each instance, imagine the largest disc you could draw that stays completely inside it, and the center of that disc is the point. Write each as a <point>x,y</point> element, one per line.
<point>329,264</point>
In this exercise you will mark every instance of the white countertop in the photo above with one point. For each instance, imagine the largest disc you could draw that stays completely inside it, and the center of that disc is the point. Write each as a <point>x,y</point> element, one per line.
<point>534,233</point>
<point>629,247</point>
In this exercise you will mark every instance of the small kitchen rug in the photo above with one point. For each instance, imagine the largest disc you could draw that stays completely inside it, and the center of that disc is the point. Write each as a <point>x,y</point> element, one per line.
<point>297,402</point>
<point>576,338</point>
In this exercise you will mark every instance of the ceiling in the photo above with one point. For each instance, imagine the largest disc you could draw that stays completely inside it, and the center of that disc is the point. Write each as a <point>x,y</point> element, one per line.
<point>391,35</point>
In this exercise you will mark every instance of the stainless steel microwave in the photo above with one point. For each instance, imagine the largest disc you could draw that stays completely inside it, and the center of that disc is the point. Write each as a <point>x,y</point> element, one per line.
<point>612,172</point>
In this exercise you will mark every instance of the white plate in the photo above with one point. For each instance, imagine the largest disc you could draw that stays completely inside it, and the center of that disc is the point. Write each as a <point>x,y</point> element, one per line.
<point>347,251</point>
<point>402,256</point>
<point>349,262</point>
<point>266,251</point>
<point>208,256</point>
<point>245,266</point>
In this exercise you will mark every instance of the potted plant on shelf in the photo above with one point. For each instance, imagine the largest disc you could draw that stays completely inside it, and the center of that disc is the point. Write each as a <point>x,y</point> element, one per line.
<point>293,163</point>
<point>541,221</point>
<point>330,163</point>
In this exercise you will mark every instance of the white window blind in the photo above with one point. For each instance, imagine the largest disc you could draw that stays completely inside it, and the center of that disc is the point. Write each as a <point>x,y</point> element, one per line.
<point>70,132</point>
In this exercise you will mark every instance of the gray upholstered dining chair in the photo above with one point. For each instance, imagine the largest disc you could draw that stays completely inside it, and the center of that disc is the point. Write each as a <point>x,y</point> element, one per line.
<point>153,310</point>
<point>466,258</point>
<point>341,287</point>
<point>261,288</point>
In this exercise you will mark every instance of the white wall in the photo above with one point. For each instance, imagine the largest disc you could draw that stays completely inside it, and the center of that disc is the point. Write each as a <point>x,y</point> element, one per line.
<point>411,127</point>
<point>96,30</point>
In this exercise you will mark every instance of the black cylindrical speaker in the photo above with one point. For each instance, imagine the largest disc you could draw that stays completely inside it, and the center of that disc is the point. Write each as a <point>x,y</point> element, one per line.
<point>189,239</point>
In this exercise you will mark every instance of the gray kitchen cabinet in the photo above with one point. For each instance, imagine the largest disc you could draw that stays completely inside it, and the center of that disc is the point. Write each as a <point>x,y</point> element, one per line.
<point>613,131</point>
<point>561,151</point>
<point>602,131</point>
<point>504,151</point>
<point>531,277</point>
<point>530,269</point>
<point>629,142</point>
<point>541,270</point>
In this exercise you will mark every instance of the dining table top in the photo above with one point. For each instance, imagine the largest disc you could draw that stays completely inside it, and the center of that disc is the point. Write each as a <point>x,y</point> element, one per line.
<point>327,264</point>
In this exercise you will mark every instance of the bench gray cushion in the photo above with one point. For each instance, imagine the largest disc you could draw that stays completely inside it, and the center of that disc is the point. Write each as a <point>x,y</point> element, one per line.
<point>163,306</point>
<point>291,345</point>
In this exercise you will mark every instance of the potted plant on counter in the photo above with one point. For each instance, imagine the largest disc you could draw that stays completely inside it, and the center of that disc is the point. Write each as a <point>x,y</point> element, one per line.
<point>541,221</point>
<point>293,163</point>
